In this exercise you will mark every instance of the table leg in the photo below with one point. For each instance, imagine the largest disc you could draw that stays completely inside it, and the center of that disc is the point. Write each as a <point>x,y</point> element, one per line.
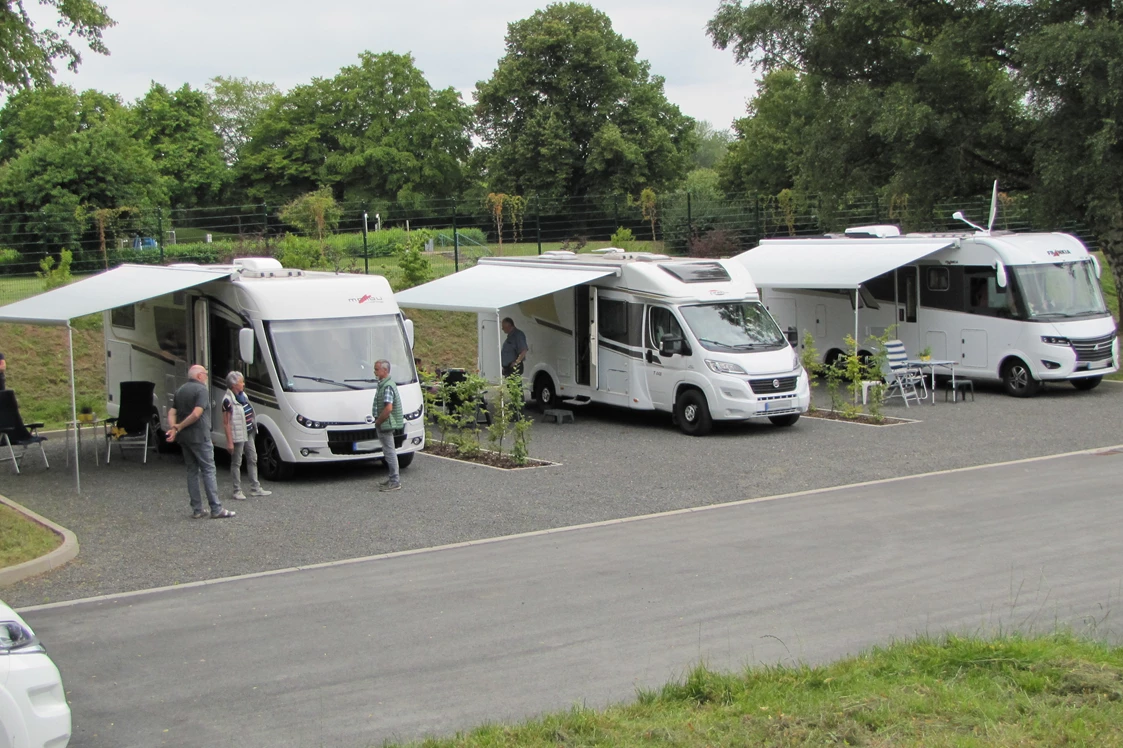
<point>933,393</point>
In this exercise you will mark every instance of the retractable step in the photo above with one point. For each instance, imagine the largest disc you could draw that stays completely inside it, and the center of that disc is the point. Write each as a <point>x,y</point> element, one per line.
<point>579,400</point>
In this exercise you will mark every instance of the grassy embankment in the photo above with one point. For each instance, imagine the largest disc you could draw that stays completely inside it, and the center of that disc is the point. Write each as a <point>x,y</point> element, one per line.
<point>21,539</point>
<point>1012,691</point>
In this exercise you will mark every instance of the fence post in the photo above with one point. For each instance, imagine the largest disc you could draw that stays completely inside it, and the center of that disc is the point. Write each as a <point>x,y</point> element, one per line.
<point>756,219</point>
<point>366,253</point>
<point>538,221</point>
<point>616,210</point>
<point>265,223</point>
<point>455,242</point>
<point>160,232</point>
<point>689,221</point>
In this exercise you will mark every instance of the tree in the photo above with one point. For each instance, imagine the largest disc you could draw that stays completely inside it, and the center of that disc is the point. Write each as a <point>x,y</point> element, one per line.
<point>28,54</point>
<point>570,111</point>
<point>377,130</point>
<point>49,110</point>
<point>239,104</point>
<point>712,145</point>
<point>179,129</point>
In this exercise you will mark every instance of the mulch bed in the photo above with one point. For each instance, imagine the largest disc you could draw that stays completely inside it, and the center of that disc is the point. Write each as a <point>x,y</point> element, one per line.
<point>483,457</point>
<point>863,418</point>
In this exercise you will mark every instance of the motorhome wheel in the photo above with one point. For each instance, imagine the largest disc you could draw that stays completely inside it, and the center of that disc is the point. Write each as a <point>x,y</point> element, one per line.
<point>405,460</point>
<point>269,460</point>
<point>1018,379</point>
<point>788,420</point>
<point>544,393</point>
<point>1087,383</point>
<point>692,413</point>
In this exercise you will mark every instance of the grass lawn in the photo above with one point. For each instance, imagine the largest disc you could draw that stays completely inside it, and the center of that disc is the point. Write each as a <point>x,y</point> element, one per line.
<point>22,539</point>
<point>1014,691</point>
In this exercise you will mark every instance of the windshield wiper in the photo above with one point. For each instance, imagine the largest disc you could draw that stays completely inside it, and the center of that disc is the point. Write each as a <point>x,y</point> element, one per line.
<point>323,380</point>
<point>361,380</point>
<point>726,346</point>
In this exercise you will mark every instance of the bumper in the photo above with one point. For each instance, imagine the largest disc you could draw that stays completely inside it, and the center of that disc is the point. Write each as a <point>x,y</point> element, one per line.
<point>349,443</point>
<point>1061,362</point>
<point>735,399</point>
<point>34,689</point>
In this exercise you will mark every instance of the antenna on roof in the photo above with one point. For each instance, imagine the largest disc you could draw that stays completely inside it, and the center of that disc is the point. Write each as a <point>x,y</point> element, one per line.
<point>993,206</point>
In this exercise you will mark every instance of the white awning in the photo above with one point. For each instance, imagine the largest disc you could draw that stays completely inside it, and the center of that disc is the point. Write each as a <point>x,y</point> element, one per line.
<point>488,288</point>
<point>832,263</point>
<point>121,286</point>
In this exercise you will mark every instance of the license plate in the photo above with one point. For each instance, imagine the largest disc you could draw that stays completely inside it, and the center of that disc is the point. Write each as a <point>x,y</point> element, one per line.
<point>367,446</point>
<point>779,404</point>
<point>1099,364</point>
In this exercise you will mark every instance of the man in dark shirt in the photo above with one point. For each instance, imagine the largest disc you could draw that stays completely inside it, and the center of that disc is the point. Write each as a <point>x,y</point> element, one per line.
<point>514,348</point>
<point>193,434</point>
<point>3,368</point>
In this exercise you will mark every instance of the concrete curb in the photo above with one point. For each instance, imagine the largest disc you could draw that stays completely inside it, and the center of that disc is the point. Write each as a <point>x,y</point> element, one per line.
<point>56,558</point>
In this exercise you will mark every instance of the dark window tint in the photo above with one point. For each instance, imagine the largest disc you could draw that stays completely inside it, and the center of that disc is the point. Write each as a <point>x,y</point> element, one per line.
<point>939,279</point>
<point>124,316</point>
<point>698,272</point>
<point>612,320</point>
<point>881,287</point>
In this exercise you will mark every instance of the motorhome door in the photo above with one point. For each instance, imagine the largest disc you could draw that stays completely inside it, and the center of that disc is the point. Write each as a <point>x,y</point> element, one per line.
<point>200,336</point>
<point>908,299</point>
<point>663,371</point>
<point>585,335</point>
<point>490,366</point>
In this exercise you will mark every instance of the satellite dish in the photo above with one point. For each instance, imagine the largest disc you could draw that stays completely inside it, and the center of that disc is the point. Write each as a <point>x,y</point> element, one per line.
<point>993,206</point>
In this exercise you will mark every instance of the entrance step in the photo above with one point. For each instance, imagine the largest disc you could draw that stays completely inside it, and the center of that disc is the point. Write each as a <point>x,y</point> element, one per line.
<point>558,414</point>
<point>579,400</point>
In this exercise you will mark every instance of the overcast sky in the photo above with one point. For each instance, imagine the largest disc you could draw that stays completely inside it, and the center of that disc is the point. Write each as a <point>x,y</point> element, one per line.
<point>455,43</point>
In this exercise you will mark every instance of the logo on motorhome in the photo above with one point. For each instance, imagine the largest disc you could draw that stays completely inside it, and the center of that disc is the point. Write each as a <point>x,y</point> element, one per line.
<point>776,384</point>
<point>1058,252</point>
<point>365,298</point>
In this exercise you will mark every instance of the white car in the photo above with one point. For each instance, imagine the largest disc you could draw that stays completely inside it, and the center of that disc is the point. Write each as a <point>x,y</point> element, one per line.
<point>33,708</point>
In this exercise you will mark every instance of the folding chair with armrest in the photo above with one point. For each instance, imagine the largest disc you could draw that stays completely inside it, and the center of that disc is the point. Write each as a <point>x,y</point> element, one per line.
<point>15,433</point>
<point>133,427</point>
<point>902,378</point>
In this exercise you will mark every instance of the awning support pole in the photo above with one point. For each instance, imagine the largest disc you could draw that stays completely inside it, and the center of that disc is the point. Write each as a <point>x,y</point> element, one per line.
<point>74,408</point>
<point>499,340</point>
<point>857,343</point>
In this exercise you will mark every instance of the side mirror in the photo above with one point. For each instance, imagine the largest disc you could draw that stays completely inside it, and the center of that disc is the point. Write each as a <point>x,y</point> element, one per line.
<point>670,345</point>
<point>1096,265</point>
<point>1000,274</point>
<point>409,332</point>
<point>792,335</point>
<point>245,345</point>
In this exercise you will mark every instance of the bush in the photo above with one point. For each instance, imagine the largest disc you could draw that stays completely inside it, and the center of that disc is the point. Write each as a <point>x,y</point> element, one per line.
<point>716,243</point>
<point>53,276</point>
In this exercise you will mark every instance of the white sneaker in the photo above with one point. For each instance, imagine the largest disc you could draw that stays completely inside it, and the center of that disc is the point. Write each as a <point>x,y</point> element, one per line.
<point>239,496</point>
<point>259,491</point>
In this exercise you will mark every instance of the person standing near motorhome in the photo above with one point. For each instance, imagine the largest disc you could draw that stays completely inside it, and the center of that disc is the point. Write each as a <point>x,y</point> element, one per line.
<point>388,419</point>
<point>514,348</point>
<point>193,434</point>
<point>238,419</point>
<point>3,370</point>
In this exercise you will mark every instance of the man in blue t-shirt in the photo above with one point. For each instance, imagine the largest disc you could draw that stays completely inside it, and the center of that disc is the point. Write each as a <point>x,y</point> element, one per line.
<point>514,348</point>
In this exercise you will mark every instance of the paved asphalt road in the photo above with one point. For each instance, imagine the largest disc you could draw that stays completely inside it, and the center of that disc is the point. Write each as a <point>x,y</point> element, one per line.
<point>436,641</point>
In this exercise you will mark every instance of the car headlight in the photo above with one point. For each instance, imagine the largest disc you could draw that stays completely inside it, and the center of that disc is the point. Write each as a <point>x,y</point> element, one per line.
<point>797,365</point>
<point>722,367</point>
<point>1054,340</point>
<point>15,638</point>
<point>308,423</point>
<point>413,416</point>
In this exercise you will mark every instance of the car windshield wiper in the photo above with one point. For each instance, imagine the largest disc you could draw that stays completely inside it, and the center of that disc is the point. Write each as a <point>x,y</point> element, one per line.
<point>323,380</point>
<point>726,346</point>
<point>361,380</point>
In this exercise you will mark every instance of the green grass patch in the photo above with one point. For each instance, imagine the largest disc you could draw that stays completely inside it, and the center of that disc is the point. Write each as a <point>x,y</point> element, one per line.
<point>1014,691</point>
<point>22,539</point>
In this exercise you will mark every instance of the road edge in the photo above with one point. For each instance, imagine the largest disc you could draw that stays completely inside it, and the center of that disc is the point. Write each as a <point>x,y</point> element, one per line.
<point>48,562</point>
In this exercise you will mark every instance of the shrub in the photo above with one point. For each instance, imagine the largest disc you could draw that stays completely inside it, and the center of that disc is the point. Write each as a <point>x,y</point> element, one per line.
<point>53,276</point>
<point>716,243</point>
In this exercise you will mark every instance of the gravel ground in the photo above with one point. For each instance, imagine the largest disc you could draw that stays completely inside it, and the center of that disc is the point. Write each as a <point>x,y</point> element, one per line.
<point>135,532</point>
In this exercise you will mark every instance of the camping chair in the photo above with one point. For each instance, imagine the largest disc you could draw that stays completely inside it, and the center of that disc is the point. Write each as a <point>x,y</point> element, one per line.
<point>453,377</point>
<point>902,378</point>
<point>132,428</point>
<point>15,433</point>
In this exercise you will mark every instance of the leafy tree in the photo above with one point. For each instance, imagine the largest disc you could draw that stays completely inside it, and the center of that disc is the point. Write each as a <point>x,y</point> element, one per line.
<point>49,110</point>
<point>712,145</point>
<point>239,105</point>
<point>28,54</point>
<point>377,130</point>
<point>179,129</point>
<point>570,111</point>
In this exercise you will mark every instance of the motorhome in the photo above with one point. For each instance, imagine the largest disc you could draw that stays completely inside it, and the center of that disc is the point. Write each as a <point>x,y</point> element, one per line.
<point>635,330</point>
<point>1017,308</point>
<point>306,343</point>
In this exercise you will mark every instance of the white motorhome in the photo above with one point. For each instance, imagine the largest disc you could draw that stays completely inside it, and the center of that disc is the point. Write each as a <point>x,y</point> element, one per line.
<point>1021,309</point>
<point>634,330</point>
<point>305,341</point>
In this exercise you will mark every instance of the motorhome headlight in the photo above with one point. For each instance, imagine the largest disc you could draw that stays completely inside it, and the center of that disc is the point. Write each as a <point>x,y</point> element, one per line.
<point>723,367</point>
<point>414,415</point>
<point>308,423</point>
<point>796,363</point>
<point>15,638</point>
<point>1054,340</point>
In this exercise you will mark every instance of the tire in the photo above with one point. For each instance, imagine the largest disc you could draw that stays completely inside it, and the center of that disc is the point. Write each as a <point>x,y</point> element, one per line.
<point>1086,383</point>
<point>1018,379</point>
<point>692,414</point>
<point>544,393</point>
<point>269,462</point>
<point>788,420</point>
<point>405,460</point>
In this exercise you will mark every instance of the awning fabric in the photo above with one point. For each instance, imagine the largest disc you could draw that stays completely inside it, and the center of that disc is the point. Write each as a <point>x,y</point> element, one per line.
<point>832,263</point>
<point>121,286</point>
<point>488,288</point>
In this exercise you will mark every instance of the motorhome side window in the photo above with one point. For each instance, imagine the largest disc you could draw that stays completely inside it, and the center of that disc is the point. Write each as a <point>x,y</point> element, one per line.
<point>124,317</point>
<point>662,324</point>
<point>620,321</point>
<point>171,330</point>
<point>985,297</point>
<point>224,347</point>
<point>939,279</point>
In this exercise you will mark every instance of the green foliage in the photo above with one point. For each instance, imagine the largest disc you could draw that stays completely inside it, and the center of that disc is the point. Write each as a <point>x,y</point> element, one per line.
<point>415,266</point>
<point>571,111</point>
<point>509,419</point>
<point>460,426</point>
<point>623,239</point>
<point>809,359</point>
<point>9,256</point>
<point>54,276</point>
<point>28,53</point>
<point>712,145</point>
<point>238,105</point>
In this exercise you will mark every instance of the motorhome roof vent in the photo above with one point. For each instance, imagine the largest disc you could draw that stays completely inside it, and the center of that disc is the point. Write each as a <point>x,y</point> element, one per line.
<point>649,257</point>
<point>265,267</point>
<point>880,232</point>
<point>607,251</point>
<point>257,263</point>
<point>558,253</point>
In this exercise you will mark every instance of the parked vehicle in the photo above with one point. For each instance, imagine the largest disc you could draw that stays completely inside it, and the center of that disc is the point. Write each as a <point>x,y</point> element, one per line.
<point>1021,309</point>
<point>33,708</point>
<point>305,341</point>
<point>635,330</point>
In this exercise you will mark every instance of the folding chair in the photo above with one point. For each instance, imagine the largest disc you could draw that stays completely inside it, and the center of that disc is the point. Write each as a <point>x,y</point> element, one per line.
<point>453,377</point>
<point>132,428</point>
<point>15,433</point>
<point>902,378</point>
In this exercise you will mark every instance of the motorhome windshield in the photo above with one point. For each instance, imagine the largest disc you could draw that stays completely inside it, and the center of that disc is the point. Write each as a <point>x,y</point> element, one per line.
<point>1059,291</point>
<point>333,355</point>
<point>734,326</point>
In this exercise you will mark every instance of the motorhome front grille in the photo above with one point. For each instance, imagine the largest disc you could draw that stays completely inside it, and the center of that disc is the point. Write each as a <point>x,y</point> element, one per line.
<point>772,386</point>
<point>343,442</point>
<point>1093,349</point>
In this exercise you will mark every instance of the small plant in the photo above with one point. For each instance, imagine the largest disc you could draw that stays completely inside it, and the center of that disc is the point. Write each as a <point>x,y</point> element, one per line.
<point>53,276</point>
<point>926,354</point>
<point>809,358</point>
<point>415,266</point>
<point>509,416</point>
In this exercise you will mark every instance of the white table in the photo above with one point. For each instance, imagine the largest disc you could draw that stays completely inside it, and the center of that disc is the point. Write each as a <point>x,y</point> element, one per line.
<point>931,365</point>
<point>77,426</point>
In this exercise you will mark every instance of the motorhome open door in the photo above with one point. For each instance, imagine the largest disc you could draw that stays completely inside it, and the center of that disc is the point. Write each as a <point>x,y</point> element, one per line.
<point>200,327</point>
<point>908,303</point>
<point>585,335</point>
<point>489,342</point>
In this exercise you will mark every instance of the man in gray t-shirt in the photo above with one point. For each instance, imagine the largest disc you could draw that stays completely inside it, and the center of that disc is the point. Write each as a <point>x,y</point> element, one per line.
<point>193,434</point>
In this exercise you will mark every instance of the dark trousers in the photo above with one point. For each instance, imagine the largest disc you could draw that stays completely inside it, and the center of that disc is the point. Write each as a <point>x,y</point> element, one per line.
<point>509,369</point>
